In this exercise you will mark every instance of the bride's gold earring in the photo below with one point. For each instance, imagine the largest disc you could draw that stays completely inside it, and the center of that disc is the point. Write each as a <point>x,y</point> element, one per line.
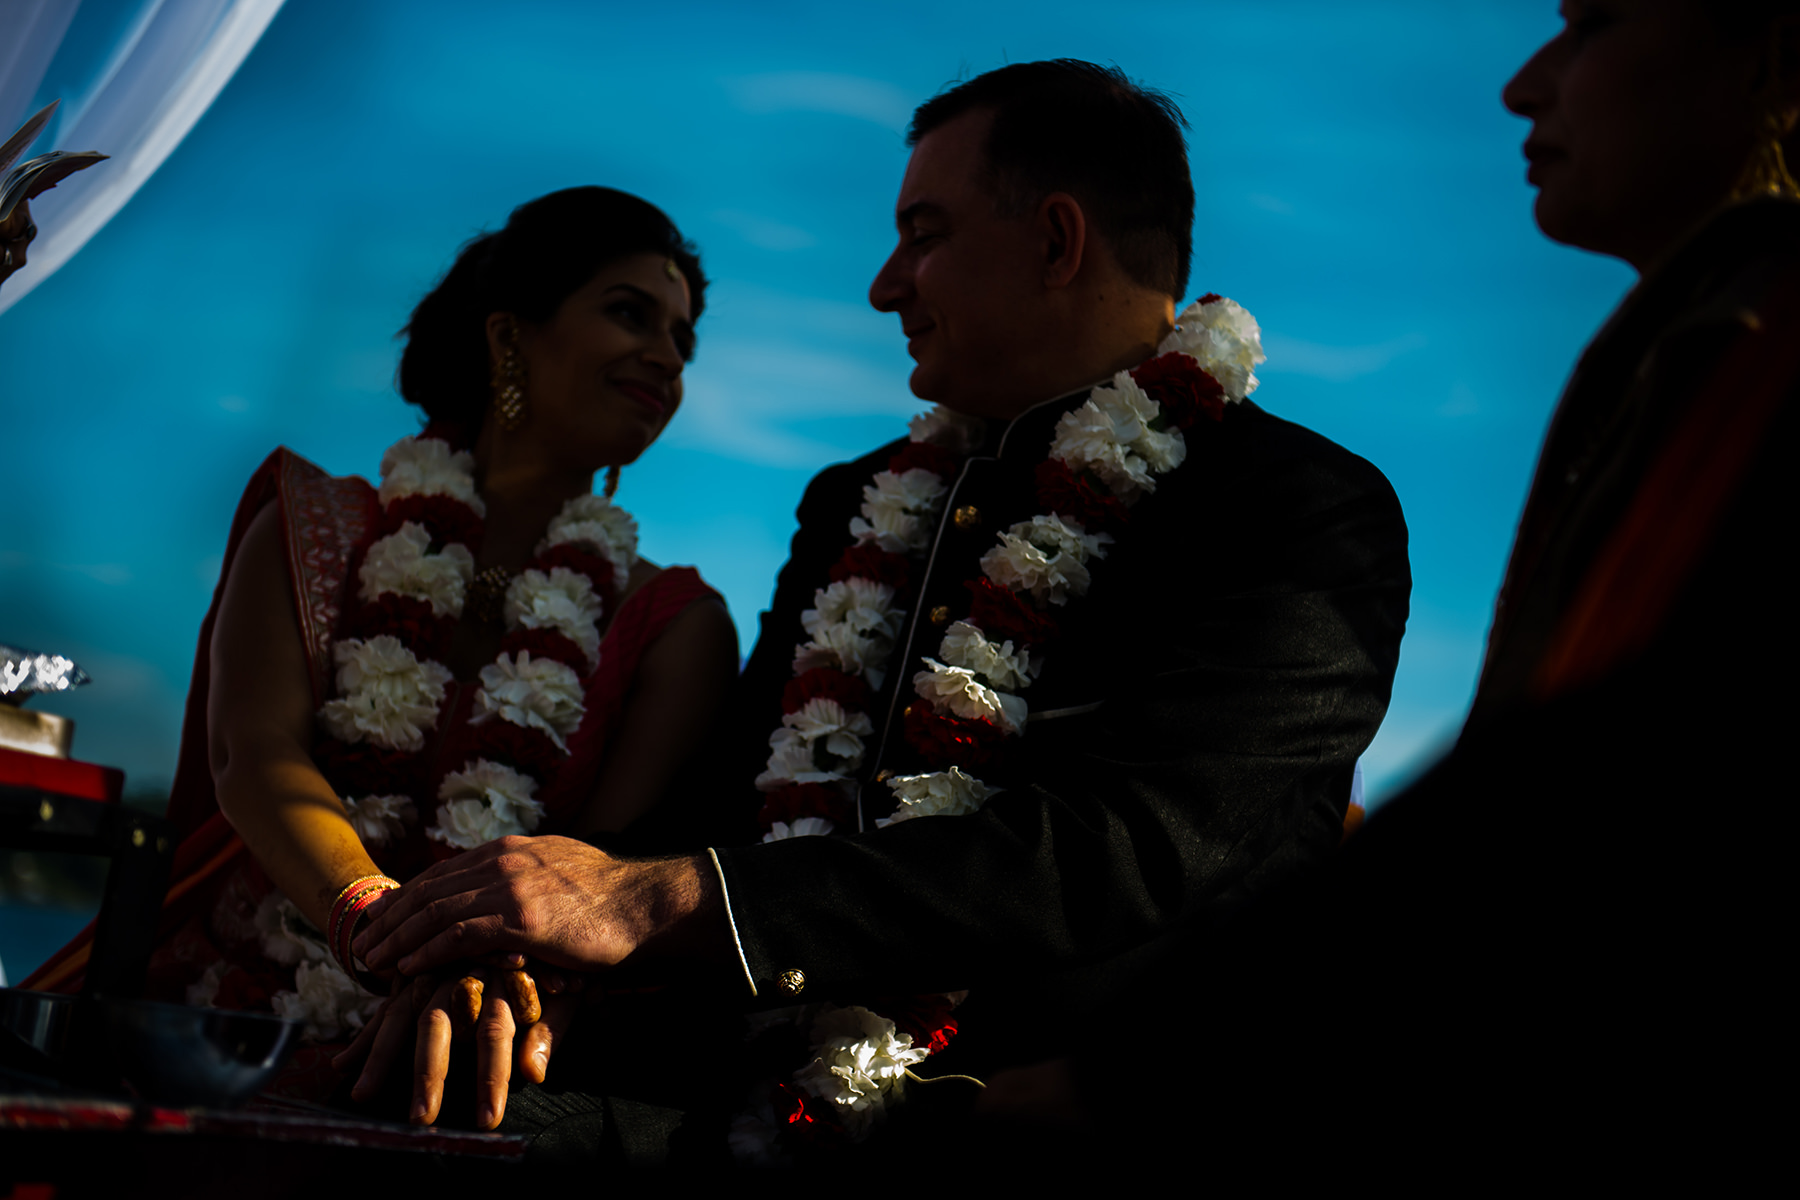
<point>611,487</point>
<point>1766,174</point>
<point>509,382</point>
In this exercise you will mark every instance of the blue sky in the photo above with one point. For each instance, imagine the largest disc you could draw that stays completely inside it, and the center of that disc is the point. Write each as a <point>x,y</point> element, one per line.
<point>1360,190</point>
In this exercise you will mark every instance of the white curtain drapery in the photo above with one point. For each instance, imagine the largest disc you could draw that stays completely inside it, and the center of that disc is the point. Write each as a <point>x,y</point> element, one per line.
<point>156,66</point>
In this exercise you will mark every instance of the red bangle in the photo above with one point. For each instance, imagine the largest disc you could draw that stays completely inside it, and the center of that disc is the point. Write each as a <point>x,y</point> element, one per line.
<point>356,896</point>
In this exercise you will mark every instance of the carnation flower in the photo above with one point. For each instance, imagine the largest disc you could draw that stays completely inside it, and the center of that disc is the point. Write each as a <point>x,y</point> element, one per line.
<point>1224,339</point>
<point>386,694</point>
<point>1000,612</point>
<point>408,619</point>
<point>832,729</point>
<point>402,564</point>
<point>943,740</point>
<point>957,689</point>
<point>1078,496</point>
<point>860,1061</point>
<point>329,1001</point>
<point>804,827</point>
<point>997,665</point>
<point>1110,435</point>
<point>872,563</point>
<point>446,519</point>
<point>842,648</point>
<point>1045,556</point>
<point>945,427</point>
<point>380,819</point>
<point>948,793</point>
<point>794,759</point>
<point>483,801</point>
<point>925,456</point>
<point>594,521</point>
<point>1181,388</point>
<point>793,801</point>
<point>558,599</point>
<point>847,690</point>
<point>428,467</point>
<point>898,511</point>
<point>536,693</point>
<point>861,604</point>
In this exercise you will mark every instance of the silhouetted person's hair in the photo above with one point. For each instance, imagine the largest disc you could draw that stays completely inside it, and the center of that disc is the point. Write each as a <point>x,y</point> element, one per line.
<point>1071,126</point>
<point>548,250</point>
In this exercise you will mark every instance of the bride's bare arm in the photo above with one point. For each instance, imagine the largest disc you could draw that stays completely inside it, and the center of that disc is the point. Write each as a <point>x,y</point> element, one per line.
<point>259,723</point>
<point>681,680</point>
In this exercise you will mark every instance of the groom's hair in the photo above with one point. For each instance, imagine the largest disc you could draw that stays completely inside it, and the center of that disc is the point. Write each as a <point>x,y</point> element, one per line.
<point>1116,146</point>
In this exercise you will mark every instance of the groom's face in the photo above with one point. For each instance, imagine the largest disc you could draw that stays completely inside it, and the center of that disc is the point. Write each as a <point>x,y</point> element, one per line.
<point>961,279</point>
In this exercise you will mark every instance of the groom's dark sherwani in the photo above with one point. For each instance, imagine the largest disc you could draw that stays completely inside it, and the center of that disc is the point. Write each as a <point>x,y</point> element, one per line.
<point>1196,728</point>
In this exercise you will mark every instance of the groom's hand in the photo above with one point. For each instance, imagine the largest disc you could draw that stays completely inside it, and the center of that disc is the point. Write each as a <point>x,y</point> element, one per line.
<point>556,899</point>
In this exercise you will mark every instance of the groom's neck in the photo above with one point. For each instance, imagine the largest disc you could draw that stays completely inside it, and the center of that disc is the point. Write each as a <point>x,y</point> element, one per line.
<point>1088,338</point>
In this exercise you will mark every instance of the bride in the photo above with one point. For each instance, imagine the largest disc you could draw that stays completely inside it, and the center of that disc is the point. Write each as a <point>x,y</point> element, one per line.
<point>390,675</point>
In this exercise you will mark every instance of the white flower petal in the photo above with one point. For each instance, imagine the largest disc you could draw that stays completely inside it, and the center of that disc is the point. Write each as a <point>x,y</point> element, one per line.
<point>531,693</point>
<point>601,526</point>
<point>1225,340</point>
<point>428,467</point>
<point>386,695</point>
<point>400,564</point>
<point>949,793</point>
<point>559,599</point>
<point>948,428</point>
<point>483,801</point>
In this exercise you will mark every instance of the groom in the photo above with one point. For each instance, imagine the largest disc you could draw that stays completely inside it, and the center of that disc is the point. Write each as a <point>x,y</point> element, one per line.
<point>1198,715</point>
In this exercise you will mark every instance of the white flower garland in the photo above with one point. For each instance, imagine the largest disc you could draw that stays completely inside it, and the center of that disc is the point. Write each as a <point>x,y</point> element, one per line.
<point>1120,438</point>
<point>390,697</point>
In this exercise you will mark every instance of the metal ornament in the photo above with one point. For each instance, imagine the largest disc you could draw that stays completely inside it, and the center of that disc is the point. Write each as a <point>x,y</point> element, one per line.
<point>509,382</point>
<point>1766,174</point>
<point>671,270</point>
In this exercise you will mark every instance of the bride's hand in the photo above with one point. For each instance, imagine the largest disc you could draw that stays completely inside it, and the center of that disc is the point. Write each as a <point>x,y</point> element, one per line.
<point>496,1002</point>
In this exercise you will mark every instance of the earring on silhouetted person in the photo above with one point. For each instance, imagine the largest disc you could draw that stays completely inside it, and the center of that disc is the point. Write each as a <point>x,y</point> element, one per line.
<point>509,382</point>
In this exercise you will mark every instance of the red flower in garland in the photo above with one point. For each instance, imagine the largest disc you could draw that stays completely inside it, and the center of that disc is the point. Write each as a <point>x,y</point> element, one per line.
<point>1004,615</point>
<point>1078,497</point>
<point>926,456</point>
<point>597,568</point>
<point>788,804</point>
<point>826,682</point>
<point>868,561</point>
<point>926,1019</point>
<point>365,769</point>
<point>498,740</point>
<point>407,618</point>
<point>804,1118</point>
<point>446,519</point>
<point>1185,391</point>
<point>547,643</point>
<point>945,741</point>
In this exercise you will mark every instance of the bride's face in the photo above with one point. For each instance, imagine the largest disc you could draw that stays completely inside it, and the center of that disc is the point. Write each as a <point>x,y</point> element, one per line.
<point>1642,115</point>
<point>603,376</point>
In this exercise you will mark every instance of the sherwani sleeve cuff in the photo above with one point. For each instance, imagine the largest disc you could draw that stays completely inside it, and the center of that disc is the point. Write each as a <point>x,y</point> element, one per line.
<point>737,942</point>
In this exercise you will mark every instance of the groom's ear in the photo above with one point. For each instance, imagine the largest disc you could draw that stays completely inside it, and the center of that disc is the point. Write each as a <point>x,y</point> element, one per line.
<point>1062,228</point>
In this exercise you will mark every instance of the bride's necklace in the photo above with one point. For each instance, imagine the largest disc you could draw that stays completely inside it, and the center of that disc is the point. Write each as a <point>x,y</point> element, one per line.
<point>966,707</point>
<point>413,583</point>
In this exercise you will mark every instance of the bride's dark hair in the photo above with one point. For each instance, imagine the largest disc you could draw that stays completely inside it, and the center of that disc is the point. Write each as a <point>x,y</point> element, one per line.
<point>548,250</point>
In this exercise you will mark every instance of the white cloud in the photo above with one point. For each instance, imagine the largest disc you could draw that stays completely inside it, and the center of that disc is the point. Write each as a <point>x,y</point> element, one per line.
<point>1337,364</point>
<point>818,91</point>
<point>764,233</point>
<point>745,397</point>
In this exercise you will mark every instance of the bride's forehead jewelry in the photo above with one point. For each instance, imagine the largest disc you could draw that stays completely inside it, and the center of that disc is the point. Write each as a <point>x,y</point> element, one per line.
<point>671,270</point>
